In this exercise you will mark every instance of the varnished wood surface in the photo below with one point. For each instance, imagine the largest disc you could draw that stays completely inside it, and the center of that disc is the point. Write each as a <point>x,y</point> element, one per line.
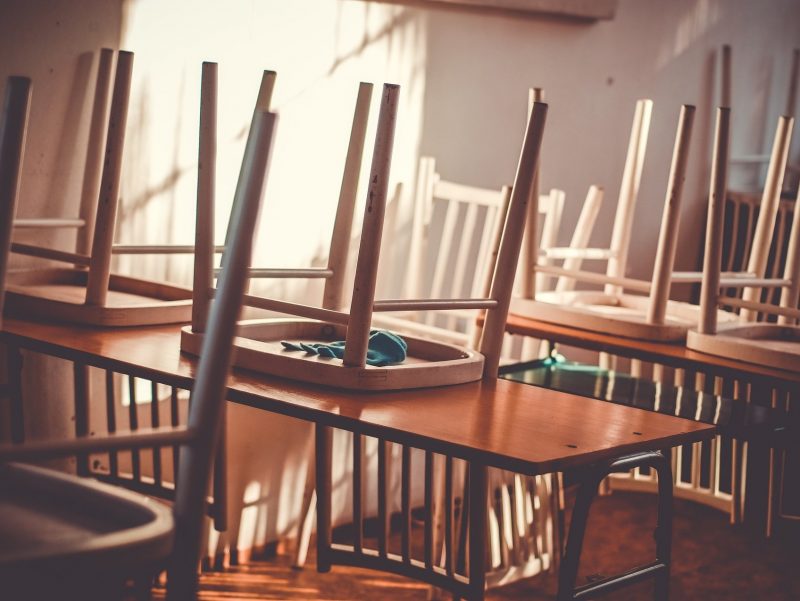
<point>670,354</point>
<point>503,423</point>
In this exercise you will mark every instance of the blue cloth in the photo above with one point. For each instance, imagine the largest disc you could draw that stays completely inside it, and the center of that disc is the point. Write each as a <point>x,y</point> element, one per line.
<point>385,348</point>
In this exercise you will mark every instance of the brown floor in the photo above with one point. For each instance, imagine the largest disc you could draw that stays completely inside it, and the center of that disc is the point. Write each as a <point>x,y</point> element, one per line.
<point>712,561</point>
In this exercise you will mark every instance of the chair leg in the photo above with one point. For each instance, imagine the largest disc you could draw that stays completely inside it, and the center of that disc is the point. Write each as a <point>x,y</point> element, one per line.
<point>306,518</point>
<point>659,570</point>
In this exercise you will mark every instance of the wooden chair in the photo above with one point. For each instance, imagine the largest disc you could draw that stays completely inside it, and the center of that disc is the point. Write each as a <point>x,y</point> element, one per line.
<point>773,344</point>
<point>429,363</point>
<point>490,343</point>
<point>88,292</point>
<point>649,314</point>
<point>73,538</point>
<point>455,236</point>
<point>335,271</point>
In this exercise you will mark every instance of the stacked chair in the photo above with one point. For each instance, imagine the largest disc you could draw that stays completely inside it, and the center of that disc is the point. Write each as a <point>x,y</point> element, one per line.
<point>429,362</point>
<point>73,538</point>
<point>88,292</point>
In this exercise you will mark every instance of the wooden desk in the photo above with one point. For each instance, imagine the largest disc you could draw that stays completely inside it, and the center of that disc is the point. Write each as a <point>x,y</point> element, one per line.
<point>672,355</point>
<point>762,502</point>
<point>505,424</point>
<point>502,424</point>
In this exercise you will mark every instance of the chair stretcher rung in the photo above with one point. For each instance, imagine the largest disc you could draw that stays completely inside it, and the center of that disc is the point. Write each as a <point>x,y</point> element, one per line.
<point>613,583</point>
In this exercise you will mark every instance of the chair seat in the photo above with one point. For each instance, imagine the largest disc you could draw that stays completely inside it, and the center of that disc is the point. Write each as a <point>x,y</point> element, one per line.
<point>624,315</point>
<point>60,294</point>
<point>62,534</point>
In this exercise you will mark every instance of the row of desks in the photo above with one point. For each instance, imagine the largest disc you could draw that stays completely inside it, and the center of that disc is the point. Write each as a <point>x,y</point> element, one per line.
<point>503,424</point>
<point>497,423</point>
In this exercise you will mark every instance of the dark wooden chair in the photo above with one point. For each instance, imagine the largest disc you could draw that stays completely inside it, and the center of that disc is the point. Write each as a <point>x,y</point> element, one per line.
<point>73,538</point>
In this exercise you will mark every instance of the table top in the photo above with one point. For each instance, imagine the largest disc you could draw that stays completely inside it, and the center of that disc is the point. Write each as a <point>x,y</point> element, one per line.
<point>505,424</point>
<point>670,354</point>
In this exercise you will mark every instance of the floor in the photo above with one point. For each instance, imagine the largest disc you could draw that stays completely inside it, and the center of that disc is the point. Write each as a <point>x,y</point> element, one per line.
<point>712,561</point>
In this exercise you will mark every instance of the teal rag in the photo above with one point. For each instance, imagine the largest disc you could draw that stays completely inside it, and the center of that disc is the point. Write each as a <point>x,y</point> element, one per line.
<point>385,348</point>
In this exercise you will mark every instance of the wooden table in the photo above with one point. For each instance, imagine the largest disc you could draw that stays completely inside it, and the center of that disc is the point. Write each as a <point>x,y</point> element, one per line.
<point>670,354</point>
<point>502,424</point>
<point>761,505</point>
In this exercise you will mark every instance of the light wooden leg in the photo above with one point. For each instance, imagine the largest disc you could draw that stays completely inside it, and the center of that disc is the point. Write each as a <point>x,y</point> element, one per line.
<point>306,515</point>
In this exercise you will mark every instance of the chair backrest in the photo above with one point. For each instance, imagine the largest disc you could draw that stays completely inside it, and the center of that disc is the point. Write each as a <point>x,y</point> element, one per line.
<point>335,272</point>
<point>455,232</point>
<point>198,440</point>
<point>13,128</point>
<point>455,236</point>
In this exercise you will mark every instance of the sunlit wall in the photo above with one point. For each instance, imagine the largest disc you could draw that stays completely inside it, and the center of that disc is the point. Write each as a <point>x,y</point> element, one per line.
<point>320,50</point>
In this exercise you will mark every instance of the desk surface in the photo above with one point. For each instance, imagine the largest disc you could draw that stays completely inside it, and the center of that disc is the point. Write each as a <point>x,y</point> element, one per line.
<point>506,424</point>
<point>670,354</point>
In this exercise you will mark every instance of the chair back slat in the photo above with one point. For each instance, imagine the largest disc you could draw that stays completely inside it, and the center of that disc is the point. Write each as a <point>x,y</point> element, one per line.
<point>442,267</point>
<point>426,179</point>
<point>581,235</point>
<point>13,130</point>
<point>490,244</point>
<point>463,255</point>
<point>550,228</point>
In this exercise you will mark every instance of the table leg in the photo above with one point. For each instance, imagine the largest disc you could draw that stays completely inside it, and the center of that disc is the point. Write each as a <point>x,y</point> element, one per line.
<point>658,570</point>
<point>17,415</point>
<point>478,499</point>
<point>324,443</point>
<point>81,391</point>
<point>220,477</point>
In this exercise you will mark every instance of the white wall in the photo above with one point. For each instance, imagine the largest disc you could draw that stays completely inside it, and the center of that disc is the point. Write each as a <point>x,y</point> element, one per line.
<point>480,67</point>
<point>55,43</point>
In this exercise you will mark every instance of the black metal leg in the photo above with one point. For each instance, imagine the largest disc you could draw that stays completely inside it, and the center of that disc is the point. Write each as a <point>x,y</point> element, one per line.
<point>323,445</point>
<point>568,573</point>
<point>663,533</point>
<point>658,570</point>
